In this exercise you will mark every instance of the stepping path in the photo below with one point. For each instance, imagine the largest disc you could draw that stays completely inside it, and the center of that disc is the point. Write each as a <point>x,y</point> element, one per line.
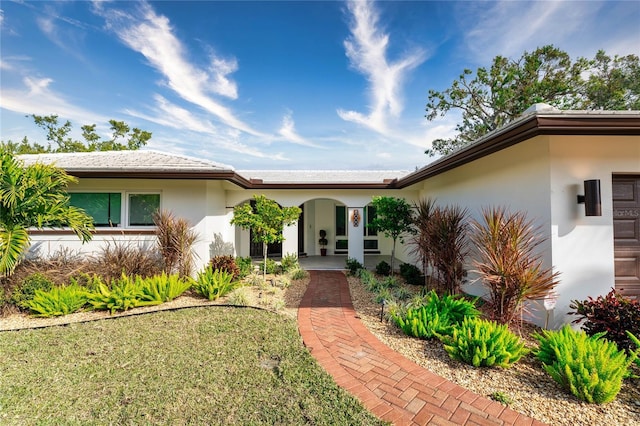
<point>389,385</point>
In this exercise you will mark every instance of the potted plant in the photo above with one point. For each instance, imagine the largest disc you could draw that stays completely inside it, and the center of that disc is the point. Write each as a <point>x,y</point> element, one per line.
<point>323,242</point>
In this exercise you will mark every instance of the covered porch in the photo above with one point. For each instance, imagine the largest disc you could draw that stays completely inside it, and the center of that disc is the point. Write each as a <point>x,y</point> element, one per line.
<point>338,262</point>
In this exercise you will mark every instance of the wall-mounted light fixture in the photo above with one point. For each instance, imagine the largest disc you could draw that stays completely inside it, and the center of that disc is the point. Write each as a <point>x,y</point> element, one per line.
<point>355,218</point>
<point>591,198</point>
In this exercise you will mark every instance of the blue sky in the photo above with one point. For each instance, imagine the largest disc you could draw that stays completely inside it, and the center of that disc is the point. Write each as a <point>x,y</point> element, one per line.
<point>276,85</point>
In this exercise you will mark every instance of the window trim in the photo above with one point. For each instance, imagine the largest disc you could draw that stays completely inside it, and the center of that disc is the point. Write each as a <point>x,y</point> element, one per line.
<point>124,206</point>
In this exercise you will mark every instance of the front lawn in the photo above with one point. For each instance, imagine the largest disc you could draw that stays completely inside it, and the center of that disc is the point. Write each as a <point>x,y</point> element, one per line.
<point>195,366</point>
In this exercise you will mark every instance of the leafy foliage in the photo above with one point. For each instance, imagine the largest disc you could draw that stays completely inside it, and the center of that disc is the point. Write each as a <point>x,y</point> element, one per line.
<point>58,301</point>
<point>448,248</point>
<point>590,367</point>
<point>34,196</point>
<point>383,268</point>
<point>436,317</point>
<point>508,263</point>
<point>269,266</point>
<point>613,314</point>
<point>213,284</point>
<point>298,274</point>
<point>411,274</point>
<point>353,266</point>
<point>176,238</point>
<point>245,265</point>
<point>266,219</point>
<point>164,288</point>
<point>483,343</point>
<point>393,218</point>
<point>123,294</point>
<point>496,96</point>
<point>289,262</point>
<point>227,264</point>
<point>27,289</point>
<point>58,135</point>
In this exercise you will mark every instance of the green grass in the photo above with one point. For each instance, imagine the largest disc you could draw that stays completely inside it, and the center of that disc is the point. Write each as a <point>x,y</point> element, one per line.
<point>197,366</point>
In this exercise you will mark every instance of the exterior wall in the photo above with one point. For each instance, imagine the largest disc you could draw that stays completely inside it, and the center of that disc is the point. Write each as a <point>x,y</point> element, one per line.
<point>583,246</point>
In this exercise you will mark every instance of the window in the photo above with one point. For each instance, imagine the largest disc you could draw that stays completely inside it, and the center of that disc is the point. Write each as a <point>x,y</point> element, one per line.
<point>104,207</point>
<point>369,215</point>
<point>341,220</point>
<point>141,209</point>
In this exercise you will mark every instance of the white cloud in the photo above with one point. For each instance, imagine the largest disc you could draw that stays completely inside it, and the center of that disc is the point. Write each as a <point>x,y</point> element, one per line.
<point>152,36</point>
<point>288,132</point>
<point>366,49</point>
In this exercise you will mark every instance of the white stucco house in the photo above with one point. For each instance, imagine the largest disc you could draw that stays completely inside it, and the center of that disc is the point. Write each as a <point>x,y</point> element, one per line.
<point>537,164</point>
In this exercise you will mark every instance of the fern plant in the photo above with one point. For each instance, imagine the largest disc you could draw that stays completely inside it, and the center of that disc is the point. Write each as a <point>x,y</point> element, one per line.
<point>436,317</point>
<point>590,367</point>
<point>124,294</point>
<point>164,288</point>
<point>483,343</point>
<point>57,302</point>
<point>213,284</point>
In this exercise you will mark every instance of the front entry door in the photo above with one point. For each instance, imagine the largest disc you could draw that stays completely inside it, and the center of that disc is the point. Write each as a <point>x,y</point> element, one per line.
<point>626,234</point>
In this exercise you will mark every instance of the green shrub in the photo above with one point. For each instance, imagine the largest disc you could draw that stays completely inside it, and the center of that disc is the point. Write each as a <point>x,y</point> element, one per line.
<point>245,265</point>
<point>164,288</point>
<point>353,266</point>
<point>272,267</point>
<point>635,355</point>
<point>125,293</point>
<point>58,301</point>
<point>383,268</point>
<point>227,264</point>
<point>612,313</point>
<point>401,293</point>
<point>590,367</point>
<point>483,343</point>
<point>239,297</point>
<point>289,263</point>
<point>501,397</point>
<point>390,282</point>
<point>411,274</point>
<point>384,295</point>
<point>26,290</point>
<point>298,274</point>
<point>437,317</point>
<point>213,284</point>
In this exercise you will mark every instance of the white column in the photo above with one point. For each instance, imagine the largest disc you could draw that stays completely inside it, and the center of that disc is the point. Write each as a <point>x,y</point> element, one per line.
<point>356,233</point>
<point>290,243</point>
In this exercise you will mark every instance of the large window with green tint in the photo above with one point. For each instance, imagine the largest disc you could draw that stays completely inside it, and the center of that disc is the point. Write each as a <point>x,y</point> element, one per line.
<point>341,220</point>
<point>104,207</point>
<point>369,215</point>
<point>141,209</point>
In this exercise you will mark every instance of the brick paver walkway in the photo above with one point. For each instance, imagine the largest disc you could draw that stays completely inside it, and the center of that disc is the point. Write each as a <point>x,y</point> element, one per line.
<point>389,385</point>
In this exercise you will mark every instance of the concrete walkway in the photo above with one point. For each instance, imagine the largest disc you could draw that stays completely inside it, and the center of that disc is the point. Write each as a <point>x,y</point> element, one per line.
<point>389,385</point>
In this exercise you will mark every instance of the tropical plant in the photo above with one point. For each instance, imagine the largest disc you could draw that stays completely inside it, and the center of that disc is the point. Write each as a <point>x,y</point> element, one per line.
<point>26,290</point>
<point>447,239</point>
<point>590,367</point>
<point>176,238</point>
<point>34,196</point>
<point>483,343</point>
<point>123,294</point>
<point>436,317</point>
<point>116,258</point>
<point>239,297</point>
<point>289,262</point>
<point>265,219</point>
<point>353,265</point>
<point>393,218</point>
<point>214,284</point>
<point>269,266</point>
<point>614,313</point>
<point>58,301</point>
<point>420,243</point>
<point>411,274</point>
<point>508,262</point>
<point>226,263</point>
<point>298,274</point>
<point>164,288</point>
<point>245,264</point>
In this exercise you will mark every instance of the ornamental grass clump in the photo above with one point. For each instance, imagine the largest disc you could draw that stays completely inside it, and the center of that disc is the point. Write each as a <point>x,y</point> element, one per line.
<point>483,343</point>
<point>590,367</point>
<point>58,301</point>
<point>214,284</point>
<point>436,318</point>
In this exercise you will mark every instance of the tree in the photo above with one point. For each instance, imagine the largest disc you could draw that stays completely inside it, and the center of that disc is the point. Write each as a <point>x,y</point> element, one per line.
<point>394,217</point>
<point>493,97</point>
<point>34,196</point>
<point>266,219</point>
<point>122,138</point>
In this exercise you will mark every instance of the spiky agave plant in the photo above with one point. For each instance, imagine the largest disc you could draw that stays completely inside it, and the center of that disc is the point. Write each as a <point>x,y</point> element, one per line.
<point>508,263</point>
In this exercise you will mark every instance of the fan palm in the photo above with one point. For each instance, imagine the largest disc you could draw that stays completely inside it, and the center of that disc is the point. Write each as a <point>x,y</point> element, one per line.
<point>34,196</point>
